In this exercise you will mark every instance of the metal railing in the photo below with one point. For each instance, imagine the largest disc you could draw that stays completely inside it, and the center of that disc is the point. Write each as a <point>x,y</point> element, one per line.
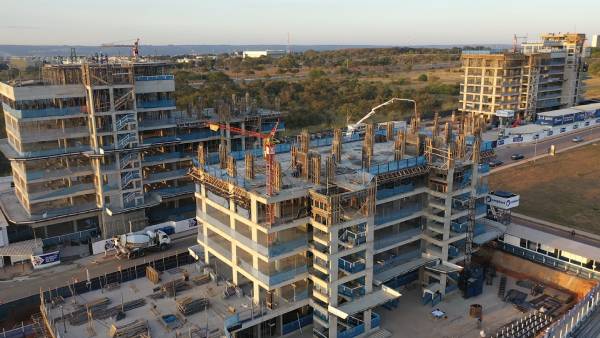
<point>129,177</point>
<point>43,112</point>
<point>156,104</point>
<point>397,165</point>
<point>154,77</point>
<point>125,120</point>
<point>404,211</point>
<point>125,140</point>
<point>576,316</point>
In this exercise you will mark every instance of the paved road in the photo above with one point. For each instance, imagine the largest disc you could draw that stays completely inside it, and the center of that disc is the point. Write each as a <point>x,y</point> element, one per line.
<point>529,149</point>
<point>60,275</point>
<point>579,235</point>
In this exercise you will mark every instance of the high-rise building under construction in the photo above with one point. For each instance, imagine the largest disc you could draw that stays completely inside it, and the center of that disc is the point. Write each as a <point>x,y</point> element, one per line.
<point>100,148</point>
<point>535,77</point>
<point>346,221</point>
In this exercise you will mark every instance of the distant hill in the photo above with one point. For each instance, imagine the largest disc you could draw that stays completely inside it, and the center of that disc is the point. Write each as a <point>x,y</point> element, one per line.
<point>54,50</point>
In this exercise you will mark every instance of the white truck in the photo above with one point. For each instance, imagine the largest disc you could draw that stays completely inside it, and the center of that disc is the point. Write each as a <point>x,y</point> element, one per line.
<point>135,245</point>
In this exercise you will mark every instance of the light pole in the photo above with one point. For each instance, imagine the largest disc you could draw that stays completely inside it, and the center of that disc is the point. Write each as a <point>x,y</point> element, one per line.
<point>537,137</point>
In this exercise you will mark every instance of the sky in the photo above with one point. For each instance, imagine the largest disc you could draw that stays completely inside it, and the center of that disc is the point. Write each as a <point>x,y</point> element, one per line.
<point>372,22</point>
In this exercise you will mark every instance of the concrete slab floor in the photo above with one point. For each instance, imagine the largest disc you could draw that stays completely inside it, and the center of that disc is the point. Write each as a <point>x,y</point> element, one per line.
<point>141,288</point>
<point>412,319</point>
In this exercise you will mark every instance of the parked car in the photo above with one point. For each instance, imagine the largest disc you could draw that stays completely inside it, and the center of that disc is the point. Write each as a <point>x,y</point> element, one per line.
<point>495,163</point>
<point>577,139</point>
<point>516,157</point>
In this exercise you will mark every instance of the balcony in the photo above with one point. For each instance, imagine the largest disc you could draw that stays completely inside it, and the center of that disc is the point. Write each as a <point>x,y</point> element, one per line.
<point>44,112</point>
<point>196,136</point>
<point>395,260</point>
<point>161,139</point>
<point>359,328</point>
<point>155,78</point>
<point>78,189</point>
<point>215,246</point>
<point>166,103</point>
<point>352,289</point>
<point>274,277</point>
<point>397,239</point>
<point>166,157</point>
<point>56,151</point>
<point>32,136</point>
<point>397,165</point>
<point>354,236</point>
<point>166,175</point>
<point>352,264</point>
<point>398,190</point>
<point>387,216</point>
<point>48,174</point>
<point>168,192</point>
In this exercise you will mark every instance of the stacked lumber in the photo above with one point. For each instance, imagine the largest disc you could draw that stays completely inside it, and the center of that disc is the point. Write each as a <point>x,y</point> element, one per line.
<point>173,287</point>
<point>202,279</point>
<point>80,315</point>
<point>188,306</point>
<point>130,330</point>
<point>152,274</point>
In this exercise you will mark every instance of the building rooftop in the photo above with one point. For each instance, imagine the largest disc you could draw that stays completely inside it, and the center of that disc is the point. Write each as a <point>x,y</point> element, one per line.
<point>560,112</point>
<point>349,172</point>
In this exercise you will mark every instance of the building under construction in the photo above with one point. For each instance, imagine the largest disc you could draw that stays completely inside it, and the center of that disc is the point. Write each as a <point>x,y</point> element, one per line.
<point>100,148</point>
<point>341,222</point>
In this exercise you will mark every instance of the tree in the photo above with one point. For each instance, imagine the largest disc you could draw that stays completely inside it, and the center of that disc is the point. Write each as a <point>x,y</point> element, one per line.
<point>422,77</point>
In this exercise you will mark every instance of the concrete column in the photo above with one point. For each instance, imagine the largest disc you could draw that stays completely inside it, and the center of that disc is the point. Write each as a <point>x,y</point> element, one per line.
<point>333,267</point>
<point>233,246</point>
<point>243,139</point>
<point>370,253</point>
<point>333,320</point>
<point>256,293</point>
<point>253,210</point>
<point>367,317</point>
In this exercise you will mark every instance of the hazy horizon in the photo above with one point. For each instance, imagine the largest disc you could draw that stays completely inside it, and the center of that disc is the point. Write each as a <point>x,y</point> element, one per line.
<point>309,22</point>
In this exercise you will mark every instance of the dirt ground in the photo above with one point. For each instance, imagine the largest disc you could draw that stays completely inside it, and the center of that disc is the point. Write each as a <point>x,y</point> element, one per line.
<point>592,87</point>
<point>563,189</point>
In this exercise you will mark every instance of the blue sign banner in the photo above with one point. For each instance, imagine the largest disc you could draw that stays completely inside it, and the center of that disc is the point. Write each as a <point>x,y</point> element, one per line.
<point>518,139</point>
<point>45,260</point>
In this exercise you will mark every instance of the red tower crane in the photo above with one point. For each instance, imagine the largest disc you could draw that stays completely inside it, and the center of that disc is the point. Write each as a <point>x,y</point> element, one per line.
<point>135,47</point>
<point>269,154</point>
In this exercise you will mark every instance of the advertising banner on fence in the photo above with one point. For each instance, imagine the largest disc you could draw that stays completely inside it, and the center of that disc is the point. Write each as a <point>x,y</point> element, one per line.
<point>45,260</point>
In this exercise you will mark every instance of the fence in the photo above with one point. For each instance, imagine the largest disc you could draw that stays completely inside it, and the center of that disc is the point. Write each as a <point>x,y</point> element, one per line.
<point>552,262</point>
<point>154,78</point>
<point>397,165</point>
<point>83,235</point>
<point>578,315</point>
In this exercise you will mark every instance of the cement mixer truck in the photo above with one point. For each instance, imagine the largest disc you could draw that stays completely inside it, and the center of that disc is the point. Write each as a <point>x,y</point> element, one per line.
<point>135,245</point>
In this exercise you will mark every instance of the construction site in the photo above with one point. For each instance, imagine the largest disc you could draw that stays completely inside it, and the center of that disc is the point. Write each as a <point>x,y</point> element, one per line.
<point>384,231</point>
<point>374,230</point>
<point>99,148</point>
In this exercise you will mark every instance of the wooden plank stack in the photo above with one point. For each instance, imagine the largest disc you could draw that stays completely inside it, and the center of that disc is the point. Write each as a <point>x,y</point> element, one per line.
<point>202,279</point>
<point>173,287</point>
<point>130,330</point>
<point>152,274</point>
<point>188,306</point>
